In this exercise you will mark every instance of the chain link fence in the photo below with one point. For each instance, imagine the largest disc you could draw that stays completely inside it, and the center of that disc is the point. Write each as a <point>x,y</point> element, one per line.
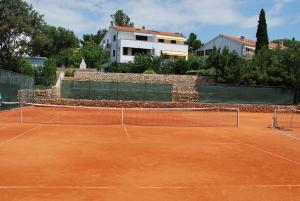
<point>116,91</point>
<point>246,94</point>
<point>11,83</point>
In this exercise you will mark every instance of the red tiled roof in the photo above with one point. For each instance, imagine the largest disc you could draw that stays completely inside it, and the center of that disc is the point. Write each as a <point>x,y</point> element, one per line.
<point>249,42</point>
<point>5,26</point>
<point>146,31</point>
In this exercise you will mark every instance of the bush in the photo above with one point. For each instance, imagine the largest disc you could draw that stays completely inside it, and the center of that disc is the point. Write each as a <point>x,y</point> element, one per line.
<point>26,67</point>
<point>45,75</point>
<point>150,71</point>
<point>70,73</point>
<point>201,72</point>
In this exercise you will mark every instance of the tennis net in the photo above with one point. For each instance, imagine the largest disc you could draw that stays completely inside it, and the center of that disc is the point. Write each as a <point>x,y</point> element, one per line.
<point>286,118</point>
<point>81,115</point>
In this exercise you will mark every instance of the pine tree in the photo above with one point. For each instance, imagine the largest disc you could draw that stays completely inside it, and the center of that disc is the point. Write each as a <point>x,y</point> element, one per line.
<point>262,32</point>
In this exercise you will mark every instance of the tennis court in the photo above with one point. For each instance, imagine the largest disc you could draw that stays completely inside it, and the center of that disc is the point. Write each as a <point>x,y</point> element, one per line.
<point>61,153</point>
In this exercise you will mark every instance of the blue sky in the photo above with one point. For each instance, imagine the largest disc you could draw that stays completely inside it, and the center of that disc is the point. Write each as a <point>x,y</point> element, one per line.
<point>206,18</point>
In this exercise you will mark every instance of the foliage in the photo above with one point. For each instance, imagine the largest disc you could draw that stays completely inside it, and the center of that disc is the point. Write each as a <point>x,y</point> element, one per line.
<point>68,57</point>
<point>262,32</point>
<point>143,62</point>
<point>70,72</point>
<point>45,75</point>
<point>94,55</point>
<point>193,43</point>
<point>268,67</point>
<point>149,72</point>
<point>119,18</point>
<point>96,38</point>
<point>50,41</point>
<point>210,71</point>
<point>18,22</point>
<point>290,43</point>
<point>26,67</point>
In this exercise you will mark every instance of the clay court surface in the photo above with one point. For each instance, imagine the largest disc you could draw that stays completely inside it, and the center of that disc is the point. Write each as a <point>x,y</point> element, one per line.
<point>112,162</point>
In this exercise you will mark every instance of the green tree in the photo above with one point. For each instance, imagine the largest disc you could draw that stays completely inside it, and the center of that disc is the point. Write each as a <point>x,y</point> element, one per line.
<point>96,38</point>
<point>18,22</point>
<point>26,67</point>
<point>45,75</point>
<point>119,18</point>
<point>262,32</point>
<point>51,40</point>
<point>193,43</point>
<point>69,57</point>
<point>94,55</point>
<point>290,43</point>
<point>228,65</point>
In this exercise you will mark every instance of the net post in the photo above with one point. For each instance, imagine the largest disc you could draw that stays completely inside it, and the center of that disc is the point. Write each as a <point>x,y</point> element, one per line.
<point>274,118</point>
<point>292,119</point>
<point>122,117</point>
<point>21,109</point>
<point>238,117</point>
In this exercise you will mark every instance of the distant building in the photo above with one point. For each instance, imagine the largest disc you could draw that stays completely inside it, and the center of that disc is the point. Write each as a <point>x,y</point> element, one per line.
<point>36,61</point>
<point>243,46</point>
<point>124,43</point>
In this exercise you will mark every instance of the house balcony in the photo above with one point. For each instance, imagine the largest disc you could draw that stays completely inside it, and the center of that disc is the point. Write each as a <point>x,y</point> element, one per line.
<point>155,46</point>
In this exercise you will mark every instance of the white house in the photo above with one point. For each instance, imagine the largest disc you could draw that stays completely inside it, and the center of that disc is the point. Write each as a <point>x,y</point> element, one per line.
<point>125,42</point>
<point>243,46</point>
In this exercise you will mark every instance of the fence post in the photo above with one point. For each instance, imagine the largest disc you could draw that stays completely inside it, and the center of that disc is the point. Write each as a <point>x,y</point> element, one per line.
<point>117,90</point>
<point>90,89</point>
<point>145,92</point>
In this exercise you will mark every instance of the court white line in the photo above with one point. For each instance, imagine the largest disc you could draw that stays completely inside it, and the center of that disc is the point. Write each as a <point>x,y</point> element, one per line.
<point>285,134</point>
<point>125,131</point>
<point>265,151</point>
<point>20,135</point>
<point>154,187</point>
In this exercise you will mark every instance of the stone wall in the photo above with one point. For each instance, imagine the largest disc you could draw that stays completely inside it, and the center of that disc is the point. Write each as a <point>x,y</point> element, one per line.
<point>184,86</point>
<point>28,95</point>
<point>142,104</point>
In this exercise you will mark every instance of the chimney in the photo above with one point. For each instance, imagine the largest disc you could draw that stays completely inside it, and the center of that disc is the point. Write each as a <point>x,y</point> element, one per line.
<point>243,38</point>
<point>281,45</point>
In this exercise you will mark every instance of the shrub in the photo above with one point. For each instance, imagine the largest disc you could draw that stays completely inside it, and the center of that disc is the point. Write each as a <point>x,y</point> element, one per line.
<point>150,71</point>
<point>70,73</point>
<point>26,67</point>
<point>201,72</point>
<point>45,75</point>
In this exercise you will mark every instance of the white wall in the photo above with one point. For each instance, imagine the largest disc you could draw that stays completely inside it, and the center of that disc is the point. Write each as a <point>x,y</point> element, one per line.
<point>128,39</point>
<point>221,42</point>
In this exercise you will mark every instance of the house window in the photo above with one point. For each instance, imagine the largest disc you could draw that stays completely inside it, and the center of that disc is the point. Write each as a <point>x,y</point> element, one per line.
<point>114,37</point>
<point>125,50</point>
<point>143,38</point>
<point>200,53</point>
<point>173,41</point>
<point>208,52</point>
<point>114,53</point>
<point>107,41</point>
<point>161,40</point>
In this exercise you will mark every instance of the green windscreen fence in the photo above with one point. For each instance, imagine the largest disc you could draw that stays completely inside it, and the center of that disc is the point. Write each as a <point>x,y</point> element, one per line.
<point>116,91</point>
<point>245,94</point>
<point>11,83</point>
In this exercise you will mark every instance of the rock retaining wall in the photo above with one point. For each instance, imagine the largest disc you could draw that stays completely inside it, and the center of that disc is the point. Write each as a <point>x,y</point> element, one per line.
<point>184,86</point>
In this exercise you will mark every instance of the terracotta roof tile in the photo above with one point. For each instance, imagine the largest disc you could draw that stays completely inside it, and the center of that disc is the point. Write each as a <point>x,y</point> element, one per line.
<point>249,42</point>
<point>146,31</point>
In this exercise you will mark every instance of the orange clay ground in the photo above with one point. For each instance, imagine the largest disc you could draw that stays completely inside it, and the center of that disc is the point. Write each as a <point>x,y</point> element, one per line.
<point>40,162</point>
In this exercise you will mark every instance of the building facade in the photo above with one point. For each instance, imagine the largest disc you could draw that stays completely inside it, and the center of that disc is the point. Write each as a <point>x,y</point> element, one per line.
<point>124,43</point>
<point>243,46</point>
